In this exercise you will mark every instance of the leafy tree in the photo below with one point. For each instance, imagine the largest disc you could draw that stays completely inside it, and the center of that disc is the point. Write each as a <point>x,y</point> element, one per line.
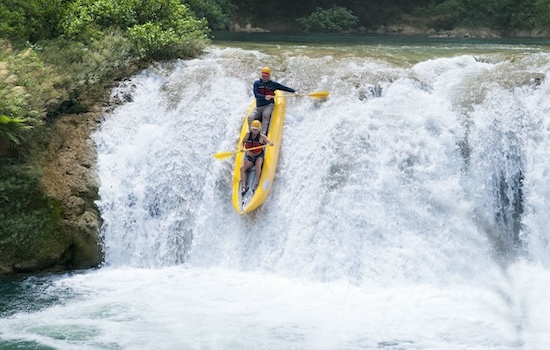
<point>88,43</point>
<point>161,29</point>
<point>542,9</point>
<point>218,13</point>
<point>332,20</point>
<point>498,14</point>
<point>30,20</point>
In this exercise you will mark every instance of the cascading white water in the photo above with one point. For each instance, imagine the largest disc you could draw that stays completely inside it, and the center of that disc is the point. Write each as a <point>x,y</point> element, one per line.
<point>408,210</point>
<point>436,155</point>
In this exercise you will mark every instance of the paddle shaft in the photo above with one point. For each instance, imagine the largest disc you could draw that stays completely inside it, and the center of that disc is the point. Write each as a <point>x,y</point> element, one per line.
<point>318,94</point>
<point>253,148</point>
<point>223,155</point>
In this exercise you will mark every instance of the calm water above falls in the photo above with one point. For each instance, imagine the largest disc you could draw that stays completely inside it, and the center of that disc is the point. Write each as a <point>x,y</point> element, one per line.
<point>408,211</point>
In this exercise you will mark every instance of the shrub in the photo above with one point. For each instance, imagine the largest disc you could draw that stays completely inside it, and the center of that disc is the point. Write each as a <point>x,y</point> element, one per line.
<point>83,70</point>
<point>507,15</point>
<point>30,20</point>
<point>12,129</point>
<point>26,89</point>
<point>161,29</point>
<point>30,219</point>
<point>218,13</point>
<point>101,40</point>
<point>542,9</point>
<point>59,76</point>
<point>151,40</point>
<point>334,19</point>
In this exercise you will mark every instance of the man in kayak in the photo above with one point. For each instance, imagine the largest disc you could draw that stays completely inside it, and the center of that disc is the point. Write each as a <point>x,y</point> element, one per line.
<point>264,91</point>
<point>253,138</point>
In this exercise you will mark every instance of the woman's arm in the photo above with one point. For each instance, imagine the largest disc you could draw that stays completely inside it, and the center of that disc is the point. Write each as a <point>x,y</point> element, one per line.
<point>266,140</point>
<point>244,140</point>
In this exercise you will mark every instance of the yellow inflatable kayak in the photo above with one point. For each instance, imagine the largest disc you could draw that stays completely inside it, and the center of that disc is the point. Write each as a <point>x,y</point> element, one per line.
<point>253,200</point>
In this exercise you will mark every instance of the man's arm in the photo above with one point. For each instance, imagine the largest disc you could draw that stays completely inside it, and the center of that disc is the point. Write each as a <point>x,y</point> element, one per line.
<point>279,86</point>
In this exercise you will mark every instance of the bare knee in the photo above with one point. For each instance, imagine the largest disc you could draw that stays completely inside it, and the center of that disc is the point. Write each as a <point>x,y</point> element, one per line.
<point>246,166</point>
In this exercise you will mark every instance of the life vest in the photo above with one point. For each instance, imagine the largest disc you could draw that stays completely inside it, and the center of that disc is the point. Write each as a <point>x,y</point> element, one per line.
<point>254,142</point>
<point>266,88</point>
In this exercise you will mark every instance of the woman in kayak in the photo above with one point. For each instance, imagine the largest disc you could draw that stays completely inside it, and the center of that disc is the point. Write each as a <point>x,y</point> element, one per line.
<point>253,138</point>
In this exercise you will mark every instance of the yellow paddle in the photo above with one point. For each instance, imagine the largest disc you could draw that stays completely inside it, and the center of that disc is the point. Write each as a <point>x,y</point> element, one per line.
<point>317,94</point>
<point>223,155</point>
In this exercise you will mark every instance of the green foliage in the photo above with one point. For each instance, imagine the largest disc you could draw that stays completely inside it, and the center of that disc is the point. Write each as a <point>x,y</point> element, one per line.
<point>29,220</point>
<point>68,76</point>
<point>497,14</point>
<point>218,13</point>
<point>542,9</point>
<point>58,77</point>
<point>12,129</point>
<point>67,53</point>
<point>12,21</point>
<point>33,84</point>
<point>25,93</point>
<point>334,19</point>
<point>84,69</point>
<point>30,20</point>
<point>160,29</point>
<point>185,39</point>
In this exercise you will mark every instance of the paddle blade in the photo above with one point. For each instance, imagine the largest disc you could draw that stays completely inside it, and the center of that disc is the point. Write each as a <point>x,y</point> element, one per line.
<point>319,94</point>
<point>223,155</point>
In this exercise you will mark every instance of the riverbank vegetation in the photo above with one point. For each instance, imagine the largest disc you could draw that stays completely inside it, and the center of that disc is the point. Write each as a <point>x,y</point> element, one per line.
<point>57,59</point>
<point>506,16</point>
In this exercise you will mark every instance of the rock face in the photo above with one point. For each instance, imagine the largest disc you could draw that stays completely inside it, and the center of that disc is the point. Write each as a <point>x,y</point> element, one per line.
<point>68,239</point>
<point>248,28</point>
<point>70,177</point>
<point>62,199</point>
<point>65,196</point>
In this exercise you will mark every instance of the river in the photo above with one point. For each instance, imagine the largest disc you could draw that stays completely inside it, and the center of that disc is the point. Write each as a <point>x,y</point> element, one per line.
<point>409,210</point>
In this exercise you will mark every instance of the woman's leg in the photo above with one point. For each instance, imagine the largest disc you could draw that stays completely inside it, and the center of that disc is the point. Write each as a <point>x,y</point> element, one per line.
<point>246,165</point>
<point>259,162</point>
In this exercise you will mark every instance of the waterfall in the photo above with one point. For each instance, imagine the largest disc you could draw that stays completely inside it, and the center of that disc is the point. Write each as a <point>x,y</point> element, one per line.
<point>421,162</point>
